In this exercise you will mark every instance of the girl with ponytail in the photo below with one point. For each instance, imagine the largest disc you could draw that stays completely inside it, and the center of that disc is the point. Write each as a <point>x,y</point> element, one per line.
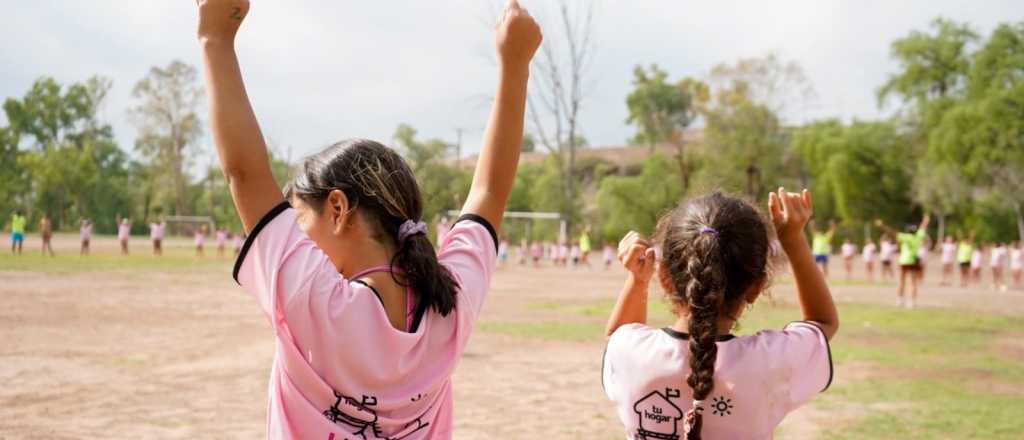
<point>696,380</point>
<point>369,321</point>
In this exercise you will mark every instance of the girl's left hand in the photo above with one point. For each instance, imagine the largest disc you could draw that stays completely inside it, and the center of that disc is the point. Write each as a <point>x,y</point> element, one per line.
<point>638,256</point>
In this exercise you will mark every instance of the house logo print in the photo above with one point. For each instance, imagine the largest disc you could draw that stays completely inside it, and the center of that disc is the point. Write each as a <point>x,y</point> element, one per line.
<point>657,416</point>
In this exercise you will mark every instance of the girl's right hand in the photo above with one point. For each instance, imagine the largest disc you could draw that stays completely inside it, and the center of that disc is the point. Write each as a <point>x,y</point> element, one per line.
<point>219,20</point>
<point>790,213</point>
<point>637,255</point>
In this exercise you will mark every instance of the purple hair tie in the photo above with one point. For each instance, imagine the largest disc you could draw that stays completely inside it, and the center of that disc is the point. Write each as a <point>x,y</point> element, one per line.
<point>709,230</point>
<point>410,228</point>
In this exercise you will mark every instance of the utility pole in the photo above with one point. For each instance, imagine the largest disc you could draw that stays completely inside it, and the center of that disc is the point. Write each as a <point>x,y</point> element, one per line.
<point>458,148</point>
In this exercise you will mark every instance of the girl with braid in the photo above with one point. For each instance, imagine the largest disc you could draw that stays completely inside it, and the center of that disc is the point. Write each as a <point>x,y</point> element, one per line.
<point>695,379</point>
<point>369,320</point>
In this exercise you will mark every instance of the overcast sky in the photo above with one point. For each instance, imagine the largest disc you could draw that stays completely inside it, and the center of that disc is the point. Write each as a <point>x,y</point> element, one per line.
<point>323,70</point>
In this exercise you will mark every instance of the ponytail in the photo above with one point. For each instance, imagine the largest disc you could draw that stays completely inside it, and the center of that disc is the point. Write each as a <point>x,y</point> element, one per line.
<point>377,181</point>
<point>433,283</point>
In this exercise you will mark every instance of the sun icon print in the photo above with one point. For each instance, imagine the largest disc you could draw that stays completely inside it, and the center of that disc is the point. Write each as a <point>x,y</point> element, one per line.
<point>722,406</point>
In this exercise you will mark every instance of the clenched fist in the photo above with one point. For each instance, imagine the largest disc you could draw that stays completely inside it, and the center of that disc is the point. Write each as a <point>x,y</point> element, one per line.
<point>638,256</point>
<point>219,19</point>
<point>518,36</point>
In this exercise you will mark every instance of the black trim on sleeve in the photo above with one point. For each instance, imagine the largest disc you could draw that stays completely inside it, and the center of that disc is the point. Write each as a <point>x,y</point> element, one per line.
<point>375,292</point>
<point>686,337</point>
<point>274,212</point>
<point>604,357</point>
<point>486,224</point>
<point>828,348</point>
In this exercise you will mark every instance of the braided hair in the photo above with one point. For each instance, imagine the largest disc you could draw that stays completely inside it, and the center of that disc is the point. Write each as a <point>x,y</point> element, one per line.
<point>714,248</point>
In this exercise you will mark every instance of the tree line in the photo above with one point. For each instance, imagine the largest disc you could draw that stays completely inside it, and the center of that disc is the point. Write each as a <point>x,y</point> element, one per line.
<point>954,147</point>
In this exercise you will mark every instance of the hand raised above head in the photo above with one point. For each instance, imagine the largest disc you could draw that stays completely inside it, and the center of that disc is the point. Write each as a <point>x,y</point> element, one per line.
<point>517,37</point>
<point>219,20</point>
<point>790,212</point>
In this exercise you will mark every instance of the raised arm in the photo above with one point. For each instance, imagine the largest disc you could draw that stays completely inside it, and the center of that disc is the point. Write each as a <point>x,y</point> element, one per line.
<point>637,255</point>
<point>240,144</point>
<point>790,212</point>
<point>885,228</point>
<point>517,39</point>
<point>924,222</point>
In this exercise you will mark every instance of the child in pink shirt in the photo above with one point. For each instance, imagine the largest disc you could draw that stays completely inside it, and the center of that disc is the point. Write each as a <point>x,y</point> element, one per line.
<point>156,233</point>
<point>200,240</point>
<point>85,235</point>
<point>222,241</point>
<point>124,230</point>
<point>370,321</point>
<point>695,379</point>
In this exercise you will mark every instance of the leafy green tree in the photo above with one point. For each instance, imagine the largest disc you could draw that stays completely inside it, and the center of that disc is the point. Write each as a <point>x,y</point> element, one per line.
<point>932,65</point>
<point>662,111</point>
<point>858,172</point>
<point>72,167</point>
<point>636,202</point>
<point>169,128</point>
<point>442,184</point>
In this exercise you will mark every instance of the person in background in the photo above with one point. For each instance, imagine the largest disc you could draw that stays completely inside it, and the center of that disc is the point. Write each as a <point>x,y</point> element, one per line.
<point>46,232</point>
<point>965,258</point>
<point>18,222</point>
<point>869,253</point>
<point>977,257</point>
<point>200,240</point>
<point>948,259</point>
<point>910,241</point>
<point>848,251</point>
<point>885,253</point>
<point>222,240</point>
<point>997,261</point>
<point>822,245</point>
<point>1017,265</point>
<point>585,247</point>
<point>84,235</point>
<point>124,230</point>
<point>156,234</point>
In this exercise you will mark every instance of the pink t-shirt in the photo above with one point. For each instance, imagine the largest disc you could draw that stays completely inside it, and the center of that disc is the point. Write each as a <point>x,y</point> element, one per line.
<point>948,253</point>
<point>200,238</point>
<point>868,253</point>
<point>758,380</point>
<point>1016,259</point>
<point>85,232</point>
<point>222,238</point>
<point>849,250</point>
<point>123,231</point>
<point>156,231</point>
<point>887,250</point>
<point>341,371</point>
<point>997,256</point>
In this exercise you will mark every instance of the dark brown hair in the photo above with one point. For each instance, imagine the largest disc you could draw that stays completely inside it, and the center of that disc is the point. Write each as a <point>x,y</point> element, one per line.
<point>379,184</point>
<point>714,248</point>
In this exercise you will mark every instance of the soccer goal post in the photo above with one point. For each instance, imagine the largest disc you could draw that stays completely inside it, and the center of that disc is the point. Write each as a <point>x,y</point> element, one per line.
<point>563,233</point>
<point>188,224</point>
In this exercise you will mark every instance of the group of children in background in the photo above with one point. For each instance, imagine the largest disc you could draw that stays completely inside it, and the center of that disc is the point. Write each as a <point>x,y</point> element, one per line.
<point>964,257</point>
<point>124,225</point>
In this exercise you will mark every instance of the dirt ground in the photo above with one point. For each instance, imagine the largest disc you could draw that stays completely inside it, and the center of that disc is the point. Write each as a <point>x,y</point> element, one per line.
<point>184,353</point>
